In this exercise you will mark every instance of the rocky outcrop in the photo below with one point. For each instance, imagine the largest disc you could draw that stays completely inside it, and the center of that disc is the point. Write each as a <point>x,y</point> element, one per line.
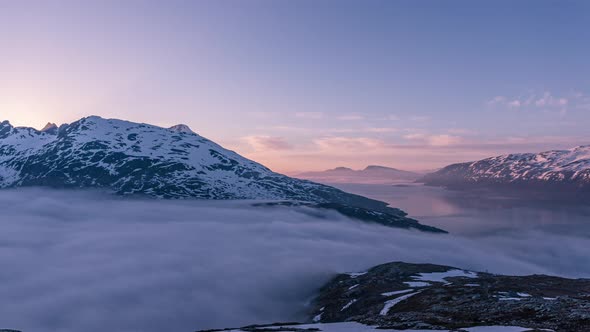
<point>425,296</point>
<point>409,297</point>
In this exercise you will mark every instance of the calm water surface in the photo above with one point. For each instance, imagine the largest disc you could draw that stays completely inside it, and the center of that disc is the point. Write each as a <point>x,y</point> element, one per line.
<point>479,214</point>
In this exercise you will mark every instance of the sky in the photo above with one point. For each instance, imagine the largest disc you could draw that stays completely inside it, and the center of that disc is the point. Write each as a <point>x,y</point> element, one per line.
<point>310,85</point>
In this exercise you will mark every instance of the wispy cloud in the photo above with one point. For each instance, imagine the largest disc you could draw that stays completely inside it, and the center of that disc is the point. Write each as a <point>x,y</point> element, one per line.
<point>309,115</point>
<point>350,117</point>
<point>265,143</point>
<point>435,140</point>
<point>349,143</point>
<point>381,130</point>
<point>412,151</point>
<point>361,130</point>
<point>462,131</point>
<point>263,114</point>
<point>444,140</point>
<point>420,118</point>
<point>546,101</point>
<point>582,101</point>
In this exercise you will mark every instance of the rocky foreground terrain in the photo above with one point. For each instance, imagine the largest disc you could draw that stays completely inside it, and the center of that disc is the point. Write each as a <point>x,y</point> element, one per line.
<point>403,296</point>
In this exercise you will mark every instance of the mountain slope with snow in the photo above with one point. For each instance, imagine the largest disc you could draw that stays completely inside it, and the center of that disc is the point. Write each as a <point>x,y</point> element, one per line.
<point>134,158</point>
<point>558,170</point>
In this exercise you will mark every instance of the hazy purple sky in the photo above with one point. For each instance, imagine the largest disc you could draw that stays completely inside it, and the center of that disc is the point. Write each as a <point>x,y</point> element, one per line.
<point>301,85</point>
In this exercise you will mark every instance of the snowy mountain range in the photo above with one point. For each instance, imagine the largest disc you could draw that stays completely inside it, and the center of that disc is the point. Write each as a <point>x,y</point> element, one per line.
<point>370,175</point>
<point>562,170</point>
<point>134,158</point>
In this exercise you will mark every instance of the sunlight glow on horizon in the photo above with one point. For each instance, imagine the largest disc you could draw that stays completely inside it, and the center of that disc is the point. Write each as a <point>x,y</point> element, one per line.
<point>309,86</point>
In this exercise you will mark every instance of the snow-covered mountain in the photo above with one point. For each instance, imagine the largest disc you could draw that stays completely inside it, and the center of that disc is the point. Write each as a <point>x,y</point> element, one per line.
<point>557,169</point>
<point>134,158</point>
<point>370,175</point>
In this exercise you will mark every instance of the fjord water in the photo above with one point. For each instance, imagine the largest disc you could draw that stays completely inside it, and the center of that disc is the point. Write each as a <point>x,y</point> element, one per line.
<point>480,214</point>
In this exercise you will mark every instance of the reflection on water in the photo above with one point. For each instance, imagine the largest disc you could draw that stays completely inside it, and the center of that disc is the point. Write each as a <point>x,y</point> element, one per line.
<point>479,213</point>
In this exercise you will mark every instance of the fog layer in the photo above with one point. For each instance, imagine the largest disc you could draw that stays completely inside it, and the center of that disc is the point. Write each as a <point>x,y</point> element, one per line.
<point>79,261</point>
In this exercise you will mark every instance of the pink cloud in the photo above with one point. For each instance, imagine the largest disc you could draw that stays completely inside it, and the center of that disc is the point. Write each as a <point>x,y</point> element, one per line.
<point>351,117</point>
<point>498,100</point>
<point>444,140</point>
<point>419,151</point>
<point>309,115</point>
<point>514,104</point>
<point>435,140</point>
<point>381,130</point>
<point>462,131</point>
<point>265,143</point>
<point>348,143</point>
<point>546,102</point>
<point>420,118</point>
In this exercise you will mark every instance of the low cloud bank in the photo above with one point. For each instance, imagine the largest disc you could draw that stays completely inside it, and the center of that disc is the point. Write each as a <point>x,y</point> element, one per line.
<point>79,261</point>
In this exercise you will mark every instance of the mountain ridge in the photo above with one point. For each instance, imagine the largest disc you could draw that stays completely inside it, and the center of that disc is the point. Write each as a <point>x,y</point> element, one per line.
<point>136,158</point>
<point>371,174</point>
<point>562,170</point>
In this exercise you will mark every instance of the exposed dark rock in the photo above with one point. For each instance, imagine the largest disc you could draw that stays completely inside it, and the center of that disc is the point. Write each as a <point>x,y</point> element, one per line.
<point>402,296</point>
<point>419,296</point>
<point>362,214</point>
<point>276,327</point>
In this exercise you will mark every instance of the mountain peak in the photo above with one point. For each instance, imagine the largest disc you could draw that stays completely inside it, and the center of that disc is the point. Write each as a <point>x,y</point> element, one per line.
<point>377,167</point>
<point>5,129</point>
<point>136,158</point>
<point>49,127</point>
<point>182,128</point>
<point>342,168</point>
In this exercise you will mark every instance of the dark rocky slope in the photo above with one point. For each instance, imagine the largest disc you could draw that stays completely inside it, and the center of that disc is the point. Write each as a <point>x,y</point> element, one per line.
<point>402,296</point>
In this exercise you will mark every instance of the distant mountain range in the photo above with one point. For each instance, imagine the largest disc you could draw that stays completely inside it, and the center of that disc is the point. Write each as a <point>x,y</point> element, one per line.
<point>556,170</point>
<point>134,158</point>
<point>369,175</point>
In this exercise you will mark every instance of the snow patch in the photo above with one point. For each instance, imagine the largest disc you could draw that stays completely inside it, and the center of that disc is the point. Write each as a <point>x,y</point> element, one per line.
<point>356,274</point>
<point>391,303</point>
<point>441,276</point>
<point>346,306</point>
<point>397,292</point>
